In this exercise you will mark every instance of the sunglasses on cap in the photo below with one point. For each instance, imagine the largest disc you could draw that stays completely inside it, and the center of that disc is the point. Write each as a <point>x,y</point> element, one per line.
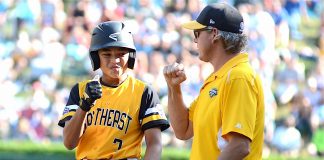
<point>197,31</point>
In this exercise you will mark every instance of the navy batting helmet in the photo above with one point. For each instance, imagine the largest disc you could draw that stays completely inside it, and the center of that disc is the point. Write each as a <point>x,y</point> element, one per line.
<point>111,34</point>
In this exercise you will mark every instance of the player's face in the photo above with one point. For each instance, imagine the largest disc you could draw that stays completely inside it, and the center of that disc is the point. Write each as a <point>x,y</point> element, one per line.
<point>113,62</point>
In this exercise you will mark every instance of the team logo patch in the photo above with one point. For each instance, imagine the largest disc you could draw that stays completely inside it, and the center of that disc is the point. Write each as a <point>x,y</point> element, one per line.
<point>213,92</point>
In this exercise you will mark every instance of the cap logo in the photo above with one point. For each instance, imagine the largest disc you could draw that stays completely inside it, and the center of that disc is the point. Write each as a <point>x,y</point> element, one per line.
<point>114,36</point>
<point>211,21</point>
<point>241,27</point>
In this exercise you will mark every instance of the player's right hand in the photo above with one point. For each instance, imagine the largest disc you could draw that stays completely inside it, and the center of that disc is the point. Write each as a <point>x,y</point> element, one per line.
<point>92,92</point>
<point>174,74</point>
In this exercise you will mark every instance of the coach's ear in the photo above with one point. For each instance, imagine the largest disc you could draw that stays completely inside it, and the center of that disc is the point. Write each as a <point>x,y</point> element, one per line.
<point>216,34</point>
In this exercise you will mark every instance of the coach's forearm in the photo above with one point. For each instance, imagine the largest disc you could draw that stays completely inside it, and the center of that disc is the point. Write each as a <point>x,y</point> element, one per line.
<point>237,148</point>
<point>178,112</point>
<point>234,152</point>
<point>72,129</point>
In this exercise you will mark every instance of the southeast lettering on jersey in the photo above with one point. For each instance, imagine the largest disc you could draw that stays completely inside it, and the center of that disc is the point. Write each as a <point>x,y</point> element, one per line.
<point>110,118</point>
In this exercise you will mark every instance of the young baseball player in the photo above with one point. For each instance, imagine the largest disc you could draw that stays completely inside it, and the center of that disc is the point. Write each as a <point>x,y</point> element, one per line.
<point>107,117</point>
<point>227,118</point>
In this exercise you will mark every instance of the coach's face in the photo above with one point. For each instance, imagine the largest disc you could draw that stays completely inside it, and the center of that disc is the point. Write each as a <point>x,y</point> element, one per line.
<point>113,62</point>
<point>204,39</point>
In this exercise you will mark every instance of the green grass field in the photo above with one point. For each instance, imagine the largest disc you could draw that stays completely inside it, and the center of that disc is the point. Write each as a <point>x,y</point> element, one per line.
<point>16,150</point>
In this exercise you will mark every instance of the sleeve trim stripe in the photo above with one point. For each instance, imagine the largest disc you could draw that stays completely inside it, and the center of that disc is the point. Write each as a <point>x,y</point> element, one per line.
<point>151,118</point>
<point>154,113</point>
<point>73,110</point>
<point>161,123</point>
<point>62,121</point>
<point>74,106</point>
<point>71,113</point>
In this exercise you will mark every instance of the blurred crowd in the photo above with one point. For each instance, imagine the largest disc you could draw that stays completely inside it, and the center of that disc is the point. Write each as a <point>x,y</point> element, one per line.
<point>44,52</point>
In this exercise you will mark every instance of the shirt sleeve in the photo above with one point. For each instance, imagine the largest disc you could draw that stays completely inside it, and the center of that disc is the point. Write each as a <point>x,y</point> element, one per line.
<point>239,108</point>
<point>151,114</point>
<point>71,106</point>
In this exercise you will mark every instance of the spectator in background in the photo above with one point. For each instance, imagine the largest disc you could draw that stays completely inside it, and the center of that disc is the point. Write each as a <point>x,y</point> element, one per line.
<point>303,120</point>
<point>289,77</point>
<point>312,93</point>
<point>156,63</point>
<point>287,139</point>
<point>281,18</point>
<point>296,10</point>
<point>321,34</point>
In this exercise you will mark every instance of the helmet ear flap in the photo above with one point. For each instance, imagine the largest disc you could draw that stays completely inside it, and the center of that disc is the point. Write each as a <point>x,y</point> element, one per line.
<point>131,60</point>
<point>95,60</point>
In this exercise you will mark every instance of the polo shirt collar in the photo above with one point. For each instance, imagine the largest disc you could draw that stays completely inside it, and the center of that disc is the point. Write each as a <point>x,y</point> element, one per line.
<point>240,58</point>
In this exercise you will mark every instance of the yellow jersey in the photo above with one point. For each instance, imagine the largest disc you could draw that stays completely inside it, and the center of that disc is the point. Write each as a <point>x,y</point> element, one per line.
<point>230,100</point>
<point>115,125</point>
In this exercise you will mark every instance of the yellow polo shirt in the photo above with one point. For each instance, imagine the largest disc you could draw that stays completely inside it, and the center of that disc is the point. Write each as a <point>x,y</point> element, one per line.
<point>230,100</point>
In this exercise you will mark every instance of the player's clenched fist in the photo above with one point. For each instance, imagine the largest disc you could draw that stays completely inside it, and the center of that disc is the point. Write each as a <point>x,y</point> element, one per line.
<point>91,93</point>
<point>174,74</point>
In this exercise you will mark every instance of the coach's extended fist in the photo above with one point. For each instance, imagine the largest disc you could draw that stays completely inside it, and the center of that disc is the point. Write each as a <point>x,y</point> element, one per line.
<point>91,93</point>
<point>174,74</point>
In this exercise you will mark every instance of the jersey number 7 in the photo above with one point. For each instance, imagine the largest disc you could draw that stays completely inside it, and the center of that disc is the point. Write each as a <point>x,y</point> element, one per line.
<point>119,142</point>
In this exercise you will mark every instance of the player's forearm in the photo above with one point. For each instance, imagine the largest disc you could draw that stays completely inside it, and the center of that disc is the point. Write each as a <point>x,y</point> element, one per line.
<point>153,144</point>
<point>153,152</point>
<point>178,112</point>
<point>72,129</point>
